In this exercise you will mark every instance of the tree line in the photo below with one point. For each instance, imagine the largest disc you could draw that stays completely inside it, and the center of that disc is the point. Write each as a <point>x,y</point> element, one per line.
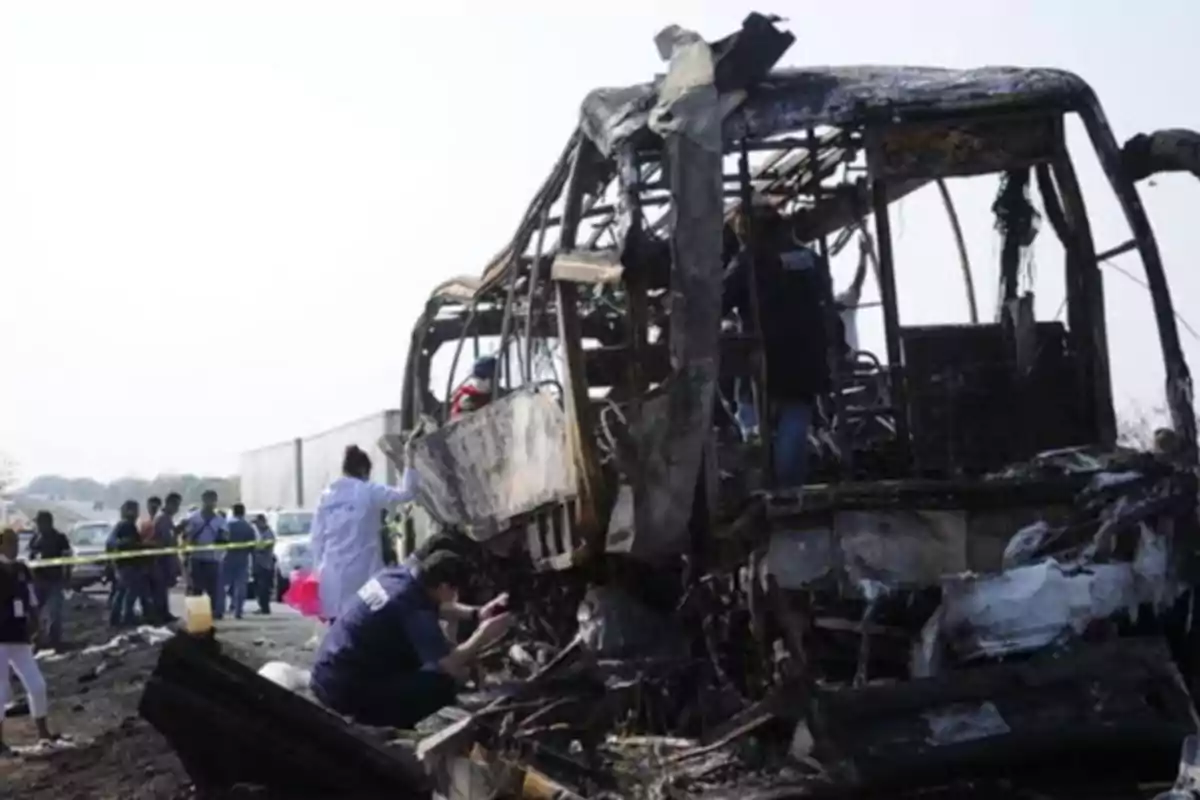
<point>111,495</point>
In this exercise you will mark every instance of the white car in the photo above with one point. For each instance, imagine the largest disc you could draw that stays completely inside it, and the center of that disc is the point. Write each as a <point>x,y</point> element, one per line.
<point>293,544</point>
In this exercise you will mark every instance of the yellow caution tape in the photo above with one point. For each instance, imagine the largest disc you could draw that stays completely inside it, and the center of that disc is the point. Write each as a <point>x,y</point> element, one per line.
<point>125,555</point>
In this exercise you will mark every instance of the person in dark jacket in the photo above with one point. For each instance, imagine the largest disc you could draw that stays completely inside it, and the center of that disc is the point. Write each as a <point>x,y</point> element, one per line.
<point>791,304</point>
<point>264,564</point>
<point>50,583</point>
<point>163,571</point>
<point>131,572</point>
<point>18,606</point>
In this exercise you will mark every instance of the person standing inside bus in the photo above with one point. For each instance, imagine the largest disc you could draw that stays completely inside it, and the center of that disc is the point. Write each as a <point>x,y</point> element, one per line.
<point>788,281</point>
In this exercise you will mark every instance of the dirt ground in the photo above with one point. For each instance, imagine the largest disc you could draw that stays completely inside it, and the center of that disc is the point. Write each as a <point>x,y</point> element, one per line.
<point>110,752</point>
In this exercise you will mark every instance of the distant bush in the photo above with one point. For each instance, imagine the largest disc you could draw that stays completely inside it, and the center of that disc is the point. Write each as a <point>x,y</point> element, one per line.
<point>111,495</point>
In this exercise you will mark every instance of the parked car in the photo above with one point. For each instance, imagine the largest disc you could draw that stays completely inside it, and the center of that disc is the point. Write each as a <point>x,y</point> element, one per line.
<point>293,545</point>
<point>87,539</point>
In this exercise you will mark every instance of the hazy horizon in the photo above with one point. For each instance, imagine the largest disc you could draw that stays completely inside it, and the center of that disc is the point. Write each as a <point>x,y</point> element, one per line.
<point>218,222</point>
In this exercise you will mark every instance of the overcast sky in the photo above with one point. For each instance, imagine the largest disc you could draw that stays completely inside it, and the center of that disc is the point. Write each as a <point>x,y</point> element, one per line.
<point>218,220</point>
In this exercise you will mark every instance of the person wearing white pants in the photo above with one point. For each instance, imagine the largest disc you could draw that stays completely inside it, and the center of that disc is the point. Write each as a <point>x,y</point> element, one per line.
<point>18,604</point>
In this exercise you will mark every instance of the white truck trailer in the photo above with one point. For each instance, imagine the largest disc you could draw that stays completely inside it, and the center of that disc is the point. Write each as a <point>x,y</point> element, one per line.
<point>322,454</point>
<point>293,474</point>
<point>272,476</point>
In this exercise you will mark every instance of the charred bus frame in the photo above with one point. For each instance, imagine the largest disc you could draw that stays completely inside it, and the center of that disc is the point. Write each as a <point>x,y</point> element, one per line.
<point>843,144</point>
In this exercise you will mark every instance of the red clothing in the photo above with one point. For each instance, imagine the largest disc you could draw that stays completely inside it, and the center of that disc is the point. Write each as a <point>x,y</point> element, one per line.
<point>146,529</point>
<point>471,396</point>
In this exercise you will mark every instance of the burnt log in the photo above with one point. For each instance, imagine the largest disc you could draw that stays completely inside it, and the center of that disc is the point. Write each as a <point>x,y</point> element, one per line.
<point>231,727</point>
<point>1118,708</point>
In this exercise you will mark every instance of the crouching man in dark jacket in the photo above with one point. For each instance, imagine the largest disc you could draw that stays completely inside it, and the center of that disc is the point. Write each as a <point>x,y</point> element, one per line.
<point>386,661</point>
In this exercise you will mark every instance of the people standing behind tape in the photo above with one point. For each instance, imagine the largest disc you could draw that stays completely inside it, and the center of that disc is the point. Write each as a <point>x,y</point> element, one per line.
<point>132,571</point>
<point>476,391</point>
<point>345,531</point>
<point>18,607</point>
<point>264,564</point>
<point>235,568</point>
<point>206,528</point>
<point>164,569</point>
<point>50,583</point>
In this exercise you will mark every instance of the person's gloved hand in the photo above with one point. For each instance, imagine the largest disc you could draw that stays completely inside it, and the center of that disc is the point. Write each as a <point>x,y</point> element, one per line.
<point>494,607</point>
<point>494,628</point>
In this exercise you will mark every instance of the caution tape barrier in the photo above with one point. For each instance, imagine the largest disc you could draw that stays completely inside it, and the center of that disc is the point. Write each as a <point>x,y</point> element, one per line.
<point>126,555</point>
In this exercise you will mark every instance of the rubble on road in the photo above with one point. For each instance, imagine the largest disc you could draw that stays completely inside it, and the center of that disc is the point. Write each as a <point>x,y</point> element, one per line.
<point>1057,668</point>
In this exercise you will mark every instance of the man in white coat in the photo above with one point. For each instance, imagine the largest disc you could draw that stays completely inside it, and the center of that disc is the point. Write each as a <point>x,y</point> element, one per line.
<point>345,530</point>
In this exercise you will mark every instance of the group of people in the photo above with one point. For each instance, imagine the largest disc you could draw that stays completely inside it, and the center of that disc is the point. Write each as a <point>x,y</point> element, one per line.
<point>225,574</point>
<point>143,581</point>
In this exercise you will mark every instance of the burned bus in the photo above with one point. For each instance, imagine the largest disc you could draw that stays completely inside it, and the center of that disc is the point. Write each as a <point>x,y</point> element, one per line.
<point>965,503</point>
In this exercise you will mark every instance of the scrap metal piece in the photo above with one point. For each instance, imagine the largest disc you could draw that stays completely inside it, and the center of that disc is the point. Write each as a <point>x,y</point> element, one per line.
<point>1171,150</point>
<point>465,482</point>
<point>231,726</point>
<point>587,266</point>
<point>689,115</point>
<point>1125,698</point>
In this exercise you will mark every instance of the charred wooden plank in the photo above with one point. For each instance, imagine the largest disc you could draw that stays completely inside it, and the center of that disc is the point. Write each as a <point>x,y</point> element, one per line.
<point>230,726</point>
<point>590,267</point>
<point>1120,706</point>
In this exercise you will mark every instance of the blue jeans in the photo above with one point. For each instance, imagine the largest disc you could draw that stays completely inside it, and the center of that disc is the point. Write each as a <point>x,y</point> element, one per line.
<point>131,589</point>
<point>204,577</point>
<point>792,422</point>
<point>747,414</point>
<point>50,616</point>
<point>264,587</point>
<point>158,588</point>
<point>236,573</point>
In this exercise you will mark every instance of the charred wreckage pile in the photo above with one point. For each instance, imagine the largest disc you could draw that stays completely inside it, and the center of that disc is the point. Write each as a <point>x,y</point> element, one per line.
<point>976,591</point>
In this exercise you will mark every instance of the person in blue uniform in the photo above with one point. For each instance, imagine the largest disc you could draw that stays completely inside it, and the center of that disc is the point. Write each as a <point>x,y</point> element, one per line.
<point>386,660</point>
